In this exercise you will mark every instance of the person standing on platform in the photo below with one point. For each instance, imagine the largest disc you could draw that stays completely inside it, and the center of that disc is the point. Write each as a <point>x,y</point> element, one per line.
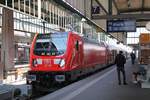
<point>132,57</point>
<point>120,60</point>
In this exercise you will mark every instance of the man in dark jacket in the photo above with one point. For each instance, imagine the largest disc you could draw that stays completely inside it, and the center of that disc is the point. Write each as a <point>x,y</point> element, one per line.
<point>132,57</point>
<point>120,61</point>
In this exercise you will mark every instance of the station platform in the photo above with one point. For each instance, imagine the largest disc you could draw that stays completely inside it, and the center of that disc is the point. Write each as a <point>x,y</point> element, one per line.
<point>102,86</point>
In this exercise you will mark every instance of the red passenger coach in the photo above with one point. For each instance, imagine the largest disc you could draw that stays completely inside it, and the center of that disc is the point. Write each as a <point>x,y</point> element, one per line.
<point>63,56</point>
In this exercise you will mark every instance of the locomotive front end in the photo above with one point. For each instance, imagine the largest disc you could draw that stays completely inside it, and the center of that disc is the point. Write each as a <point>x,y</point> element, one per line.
<point>47,59</point>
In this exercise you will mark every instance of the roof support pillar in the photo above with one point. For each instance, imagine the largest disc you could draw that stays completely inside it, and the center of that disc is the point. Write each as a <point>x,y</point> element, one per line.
<point>39,9</point>
<point>7,48</point>
<point>110,7</point>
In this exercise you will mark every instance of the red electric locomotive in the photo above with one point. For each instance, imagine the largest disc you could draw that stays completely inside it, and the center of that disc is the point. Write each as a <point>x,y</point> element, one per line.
<point>64,56</point>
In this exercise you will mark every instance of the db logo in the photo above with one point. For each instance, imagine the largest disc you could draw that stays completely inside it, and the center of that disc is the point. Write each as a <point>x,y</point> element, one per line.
<point>47,62</point>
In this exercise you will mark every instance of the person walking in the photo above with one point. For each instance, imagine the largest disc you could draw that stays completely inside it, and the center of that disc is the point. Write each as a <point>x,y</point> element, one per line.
<point>120,60</point>
<point>132,57</point>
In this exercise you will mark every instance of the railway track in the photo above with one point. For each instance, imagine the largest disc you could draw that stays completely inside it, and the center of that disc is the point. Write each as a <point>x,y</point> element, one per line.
<point>51,90</point>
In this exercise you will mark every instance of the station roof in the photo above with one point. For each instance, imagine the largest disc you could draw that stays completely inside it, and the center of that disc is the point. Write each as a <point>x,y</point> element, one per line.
<point>132,6</point>
<point>138,10</point>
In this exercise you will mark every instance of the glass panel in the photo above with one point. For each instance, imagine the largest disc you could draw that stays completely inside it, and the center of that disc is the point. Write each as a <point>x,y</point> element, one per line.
<point>16,4</point>
<point>2,2</point>
<point>42,8</point>
<point>49,44</point>
<point>21,55</point>
<point>36,8</point>
<point>49,9</point>
<point>132,40</point>
<point>27,6</point>
<point>137,33</point>
<point>9,3</point>
<point>133,37</point>
<point>54,14</point>
<point>22,5</point>
<point>32,7</point>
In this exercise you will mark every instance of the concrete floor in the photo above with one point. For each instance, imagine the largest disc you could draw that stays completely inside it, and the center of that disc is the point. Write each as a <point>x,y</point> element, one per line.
<point>102,86</point>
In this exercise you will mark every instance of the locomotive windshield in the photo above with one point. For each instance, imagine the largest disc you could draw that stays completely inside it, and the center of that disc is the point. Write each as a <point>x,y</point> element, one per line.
<point>51,44</point>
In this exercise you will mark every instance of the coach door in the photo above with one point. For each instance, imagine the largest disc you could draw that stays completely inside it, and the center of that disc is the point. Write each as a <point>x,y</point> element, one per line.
<point>77,52</point>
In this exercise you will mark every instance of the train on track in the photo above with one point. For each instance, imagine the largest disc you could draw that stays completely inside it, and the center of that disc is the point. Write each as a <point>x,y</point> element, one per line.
<point>60,57</point>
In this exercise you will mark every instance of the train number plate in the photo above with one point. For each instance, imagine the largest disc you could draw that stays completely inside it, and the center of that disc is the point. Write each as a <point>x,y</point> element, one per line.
<point>32,77</point>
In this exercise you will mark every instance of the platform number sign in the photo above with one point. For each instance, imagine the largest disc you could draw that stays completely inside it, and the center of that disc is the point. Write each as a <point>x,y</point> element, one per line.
<point>95,10</point>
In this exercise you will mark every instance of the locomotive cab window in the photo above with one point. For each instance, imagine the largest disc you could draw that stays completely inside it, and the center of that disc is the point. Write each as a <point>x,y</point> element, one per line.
<point>50,44</point>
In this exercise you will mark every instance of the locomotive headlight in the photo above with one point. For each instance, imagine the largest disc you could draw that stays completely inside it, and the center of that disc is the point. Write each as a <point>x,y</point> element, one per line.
<point>62,63</point>
<point>57,61</point>
<point>37,61</point>
<point>34,62</point>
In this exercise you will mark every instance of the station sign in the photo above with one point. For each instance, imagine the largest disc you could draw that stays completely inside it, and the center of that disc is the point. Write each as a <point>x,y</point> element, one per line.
<point>121,26</point>
<point>95,9</point>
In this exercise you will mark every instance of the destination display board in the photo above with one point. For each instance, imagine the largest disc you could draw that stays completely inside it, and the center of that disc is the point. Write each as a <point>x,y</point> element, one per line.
<point>121,26</point>
<point>43,36</point>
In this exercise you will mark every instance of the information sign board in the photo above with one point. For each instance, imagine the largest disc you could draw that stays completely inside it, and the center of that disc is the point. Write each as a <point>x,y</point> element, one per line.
<point>121,26</point>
